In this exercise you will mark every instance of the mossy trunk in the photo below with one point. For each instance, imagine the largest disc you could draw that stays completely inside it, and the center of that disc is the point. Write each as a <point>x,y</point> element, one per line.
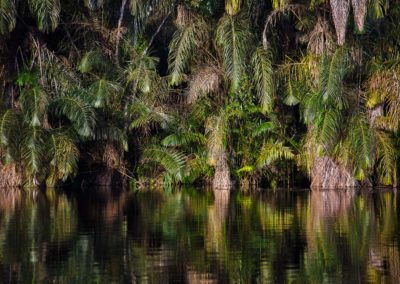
<point>222,176</point>
<point>328,174</point>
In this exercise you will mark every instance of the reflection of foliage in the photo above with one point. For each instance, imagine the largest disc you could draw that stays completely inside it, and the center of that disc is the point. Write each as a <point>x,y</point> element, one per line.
<point>187,235</point>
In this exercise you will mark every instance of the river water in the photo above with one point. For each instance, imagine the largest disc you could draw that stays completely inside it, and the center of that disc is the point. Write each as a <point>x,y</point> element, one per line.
<point>198,236</point>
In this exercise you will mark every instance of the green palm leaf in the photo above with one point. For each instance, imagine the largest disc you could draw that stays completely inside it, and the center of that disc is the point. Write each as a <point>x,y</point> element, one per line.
<point>8,125</point>
<point>264,79</point>
<point>273,151</point>
<point>332,75</point>
<point>360,142</point>
<point>32,150</point>
<point>46,12</point>
<point>233,38</point>
<point>63,156</point>
<point>78,111</point>
<point>183,139</point>
<point>172,161</point>
<point>34,104</point>
<point>103,91</point>
<point>95,61</point>
<point>386,157</point>
<point>327,126</point>
<point>181,52</point>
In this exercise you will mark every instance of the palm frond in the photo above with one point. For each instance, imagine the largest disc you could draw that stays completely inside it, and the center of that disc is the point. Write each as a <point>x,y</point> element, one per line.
<point>386,157</point>
<point>172,161</point>
<point>95,61</point>
<point>273,151</point>
<point>78,111</point>
<point>147,115</point>
<point>33,151</point>
<point>34,104</point>
<point>378,8</point>
<point>103,92</point>
<point>183,139</point>
<point>264,78</point>
<point>63,156</point>
<point>46,12</point>
<point>332,74</point>
<point>327,127</point>
<point>233,39</point>
<point>232,7</point>
<point>8,14</point>
<point>263,128</point>
<point>142,72</point>
<point>8,126</point>
<point>360,143</point>
<point>182,48</point>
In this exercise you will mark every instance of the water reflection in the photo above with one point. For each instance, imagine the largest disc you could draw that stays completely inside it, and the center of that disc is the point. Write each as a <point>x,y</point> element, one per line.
<point>195,236</point>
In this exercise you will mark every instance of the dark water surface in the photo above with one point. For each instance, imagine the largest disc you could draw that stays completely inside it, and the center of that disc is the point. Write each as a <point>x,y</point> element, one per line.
<point>193,236</point>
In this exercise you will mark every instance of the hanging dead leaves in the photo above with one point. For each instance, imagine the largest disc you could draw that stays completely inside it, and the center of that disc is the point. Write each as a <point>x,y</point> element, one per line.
<point>340,14</point>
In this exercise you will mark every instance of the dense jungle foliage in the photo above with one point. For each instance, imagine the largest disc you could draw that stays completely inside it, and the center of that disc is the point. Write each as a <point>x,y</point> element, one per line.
<point>252,92</point>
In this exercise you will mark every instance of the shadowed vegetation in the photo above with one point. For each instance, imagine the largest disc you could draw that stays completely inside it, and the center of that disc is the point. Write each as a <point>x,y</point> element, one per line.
<point>165,92</point>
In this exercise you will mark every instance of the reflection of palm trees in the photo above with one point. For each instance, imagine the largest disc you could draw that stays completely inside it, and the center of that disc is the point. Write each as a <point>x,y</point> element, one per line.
<point>37,227</point>
<point>215,236</point>
<point>216,229</point>
<point>322,258</point>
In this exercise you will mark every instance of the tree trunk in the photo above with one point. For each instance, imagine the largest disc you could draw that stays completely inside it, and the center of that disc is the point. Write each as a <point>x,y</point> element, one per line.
<point>328,174</point>
<point>222,177</point>
<point>10,176</point>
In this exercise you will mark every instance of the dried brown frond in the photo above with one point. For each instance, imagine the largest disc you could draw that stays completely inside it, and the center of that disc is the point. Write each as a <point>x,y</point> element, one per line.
<point>184,16</point>
<point>117,34</point>
<point>320,39</point>
<point>340,14</point>
<point>360,12</point>
<point>205,81</point>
